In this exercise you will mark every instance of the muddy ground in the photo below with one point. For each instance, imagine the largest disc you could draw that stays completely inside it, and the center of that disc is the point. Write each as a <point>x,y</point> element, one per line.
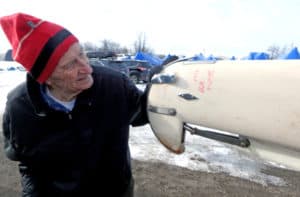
<point>155,179</point>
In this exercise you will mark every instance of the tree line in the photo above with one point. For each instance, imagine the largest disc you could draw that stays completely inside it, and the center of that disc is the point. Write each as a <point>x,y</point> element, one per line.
<point>275,51</point>
<point>140,45</point>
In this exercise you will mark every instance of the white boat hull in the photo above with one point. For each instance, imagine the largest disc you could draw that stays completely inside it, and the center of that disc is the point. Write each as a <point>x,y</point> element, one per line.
<point>256,99</point>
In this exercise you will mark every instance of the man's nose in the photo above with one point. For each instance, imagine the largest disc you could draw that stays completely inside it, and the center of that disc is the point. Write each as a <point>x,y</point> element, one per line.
<point>84,65</point>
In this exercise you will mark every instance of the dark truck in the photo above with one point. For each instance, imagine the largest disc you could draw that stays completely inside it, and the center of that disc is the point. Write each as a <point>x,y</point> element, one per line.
<point>106,59</point>
<point>137,71</point>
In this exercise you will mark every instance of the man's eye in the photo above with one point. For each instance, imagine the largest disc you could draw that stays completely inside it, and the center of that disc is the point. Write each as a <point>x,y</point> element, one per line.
<point>70,65</point>
<point>82,55</point>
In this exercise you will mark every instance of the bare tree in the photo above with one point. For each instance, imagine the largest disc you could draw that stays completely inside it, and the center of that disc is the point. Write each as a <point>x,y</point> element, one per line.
<point>276,51</point>
<point>140,45</point>
<point>108,45</point>
<point>89,46</point>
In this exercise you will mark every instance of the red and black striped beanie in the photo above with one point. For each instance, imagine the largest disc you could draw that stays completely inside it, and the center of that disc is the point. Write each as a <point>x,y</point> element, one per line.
<point>36,44</point>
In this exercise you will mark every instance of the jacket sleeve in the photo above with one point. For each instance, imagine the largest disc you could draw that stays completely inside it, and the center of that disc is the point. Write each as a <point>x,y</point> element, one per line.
<point>137,103</point>
<point>9,145</point>
<point>29,183</point>
<point>139,99</point>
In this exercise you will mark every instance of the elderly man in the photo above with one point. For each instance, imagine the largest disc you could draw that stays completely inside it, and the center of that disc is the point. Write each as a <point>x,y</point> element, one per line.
<point>68,124</point>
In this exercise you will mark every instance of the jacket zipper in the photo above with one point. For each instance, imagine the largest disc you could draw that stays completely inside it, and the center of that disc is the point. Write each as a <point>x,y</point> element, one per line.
<point>70,116</point>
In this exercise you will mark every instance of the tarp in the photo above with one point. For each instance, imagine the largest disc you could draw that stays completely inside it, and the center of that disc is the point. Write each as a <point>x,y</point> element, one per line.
<point>211,57</point>
<point>233,58</point>
<point>153,60</point>
<point>251,56</point>
<point>293,54</point>
<point>169,58</point>
<point>8,55</point>
<point>198,57</point>
<point>262,56</point>
<point>258,56</point>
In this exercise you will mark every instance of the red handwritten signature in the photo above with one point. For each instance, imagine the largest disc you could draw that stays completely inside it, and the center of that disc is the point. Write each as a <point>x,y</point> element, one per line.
<point>205,83</point>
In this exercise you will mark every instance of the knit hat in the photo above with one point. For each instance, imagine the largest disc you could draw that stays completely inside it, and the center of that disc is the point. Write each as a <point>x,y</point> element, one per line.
<point>36,44</point>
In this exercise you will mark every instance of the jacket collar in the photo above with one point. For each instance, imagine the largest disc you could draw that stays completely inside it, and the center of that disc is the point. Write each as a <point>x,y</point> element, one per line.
<point>42,108</point>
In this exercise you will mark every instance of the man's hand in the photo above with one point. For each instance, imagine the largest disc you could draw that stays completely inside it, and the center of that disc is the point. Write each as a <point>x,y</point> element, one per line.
<point>154,70</point>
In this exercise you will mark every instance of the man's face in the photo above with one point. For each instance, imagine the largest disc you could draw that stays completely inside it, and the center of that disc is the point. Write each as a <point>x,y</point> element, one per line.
<point>73,72</point>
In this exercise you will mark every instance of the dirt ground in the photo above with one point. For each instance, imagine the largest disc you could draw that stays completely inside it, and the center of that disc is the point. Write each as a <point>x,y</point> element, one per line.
<point>161,180</point>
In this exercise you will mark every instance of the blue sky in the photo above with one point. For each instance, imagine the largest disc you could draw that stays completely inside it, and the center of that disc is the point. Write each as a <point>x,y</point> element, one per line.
<point>218,27</point>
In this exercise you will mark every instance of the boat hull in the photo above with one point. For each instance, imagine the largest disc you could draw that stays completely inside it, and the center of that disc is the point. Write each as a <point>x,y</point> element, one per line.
<point>255,99</point>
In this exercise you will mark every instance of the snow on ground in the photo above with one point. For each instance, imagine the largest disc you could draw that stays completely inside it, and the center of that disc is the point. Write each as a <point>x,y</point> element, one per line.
<point>200,153</point>
<point>8,80</point>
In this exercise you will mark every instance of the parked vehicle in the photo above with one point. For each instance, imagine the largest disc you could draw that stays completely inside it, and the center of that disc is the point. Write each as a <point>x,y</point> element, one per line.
<point>139,70</point>
<point>100,55</point>
<point>95,62</point>
<point>97,58</point>
<point>116,65</point>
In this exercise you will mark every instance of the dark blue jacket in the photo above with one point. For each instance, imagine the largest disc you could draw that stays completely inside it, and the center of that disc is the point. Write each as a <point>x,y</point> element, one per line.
<point>81,153</point>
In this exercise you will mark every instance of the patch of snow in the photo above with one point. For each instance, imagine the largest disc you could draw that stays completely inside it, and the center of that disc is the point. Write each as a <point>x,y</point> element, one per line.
<point>202,154</point>
<point>8,80</point>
